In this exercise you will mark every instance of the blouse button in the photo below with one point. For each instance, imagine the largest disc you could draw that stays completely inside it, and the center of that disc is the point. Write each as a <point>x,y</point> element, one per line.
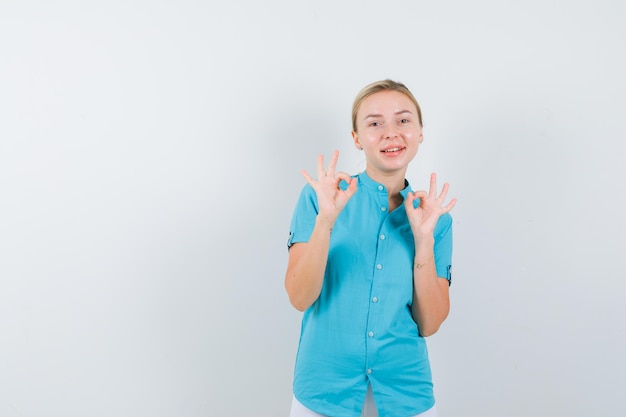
<point>379,267</point>
<point>374,299</point>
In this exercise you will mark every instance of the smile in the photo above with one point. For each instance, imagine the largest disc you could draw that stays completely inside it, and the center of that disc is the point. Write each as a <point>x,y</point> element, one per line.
<point>390,150</point>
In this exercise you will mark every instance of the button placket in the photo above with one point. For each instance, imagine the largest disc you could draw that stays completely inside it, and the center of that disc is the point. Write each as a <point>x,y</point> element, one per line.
<point>379,263</point>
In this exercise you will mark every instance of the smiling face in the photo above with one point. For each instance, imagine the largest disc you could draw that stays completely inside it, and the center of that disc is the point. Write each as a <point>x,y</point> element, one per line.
<point>389,131</point>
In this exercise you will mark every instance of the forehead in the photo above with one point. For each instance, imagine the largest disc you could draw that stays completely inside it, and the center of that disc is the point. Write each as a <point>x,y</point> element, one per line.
<point>386,101</point>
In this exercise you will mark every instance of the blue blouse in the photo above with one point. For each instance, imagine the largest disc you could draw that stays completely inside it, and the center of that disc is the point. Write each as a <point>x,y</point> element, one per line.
<point>360,329</point>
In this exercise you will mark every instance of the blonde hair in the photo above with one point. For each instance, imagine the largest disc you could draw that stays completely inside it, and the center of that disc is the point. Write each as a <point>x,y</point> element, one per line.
<point>383,85</point>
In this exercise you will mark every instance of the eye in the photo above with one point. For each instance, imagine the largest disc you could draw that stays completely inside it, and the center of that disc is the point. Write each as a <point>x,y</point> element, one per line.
<point>374,124</point>
<point>404,121</point>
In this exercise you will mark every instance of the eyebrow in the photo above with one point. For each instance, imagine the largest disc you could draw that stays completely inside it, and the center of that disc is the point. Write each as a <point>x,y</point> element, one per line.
<point>380,115</point>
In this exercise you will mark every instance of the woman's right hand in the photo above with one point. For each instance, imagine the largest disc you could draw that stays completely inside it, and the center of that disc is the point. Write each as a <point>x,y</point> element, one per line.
<point>330,197</point>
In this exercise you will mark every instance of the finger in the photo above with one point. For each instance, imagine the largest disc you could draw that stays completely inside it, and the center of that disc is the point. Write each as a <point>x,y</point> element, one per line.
<point>343,176</point>
<point>408,201</point>
<point>320,166</point>
<point>339,176</point>
<point>333,164</point>
<point>432,192</point>
<point>351,188</point>
<point>420,194</point>
<point>444,191</point>
<point>449,206</point>
<point>308,178</point>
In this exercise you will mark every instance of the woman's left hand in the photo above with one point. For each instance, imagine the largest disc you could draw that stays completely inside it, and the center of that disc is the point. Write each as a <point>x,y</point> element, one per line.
<point>424,217</point>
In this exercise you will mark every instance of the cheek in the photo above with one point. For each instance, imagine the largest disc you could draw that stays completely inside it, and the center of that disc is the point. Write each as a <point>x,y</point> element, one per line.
<point>368,139</point>
<point>415,135</point>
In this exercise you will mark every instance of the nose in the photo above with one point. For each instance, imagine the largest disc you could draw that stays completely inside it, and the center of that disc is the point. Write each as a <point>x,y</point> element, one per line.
<point>390,131</point>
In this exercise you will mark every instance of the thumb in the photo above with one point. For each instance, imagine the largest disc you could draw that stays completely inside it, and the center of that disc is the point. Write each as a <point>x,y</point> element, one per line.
<point>421,195</point>
<point>408,201</point>
<point>351,188</point>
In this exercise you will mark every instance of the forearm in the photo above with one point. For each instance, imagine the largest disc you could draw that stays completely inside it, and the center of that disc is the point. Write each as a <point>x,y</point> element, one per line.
<point>431,302</point>
<point>307,264</point>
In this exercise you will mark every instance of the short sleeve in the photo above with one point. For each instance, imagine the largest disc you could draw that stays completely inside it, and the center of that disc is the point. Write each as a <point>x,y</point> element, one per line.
<point>443,247</point>
<point>304,215</point>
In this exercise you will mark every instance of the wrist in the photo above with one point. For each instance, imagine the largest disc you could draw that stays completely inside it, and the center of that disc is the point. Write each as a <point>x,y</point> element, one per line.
<point>420,263</point>
<point>324,222</point>
<point>424,244</point>
<point>424,251</point>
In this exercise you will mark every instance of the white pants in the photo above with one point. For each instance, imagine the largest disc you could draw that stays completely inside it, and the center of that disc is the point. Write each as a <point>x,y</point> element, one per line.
<point>369,408</point>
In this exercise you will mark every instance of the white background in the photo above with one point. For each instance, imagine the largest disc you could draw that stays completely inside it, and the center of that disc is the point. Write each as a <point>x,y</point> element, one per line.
<point>149,165</point>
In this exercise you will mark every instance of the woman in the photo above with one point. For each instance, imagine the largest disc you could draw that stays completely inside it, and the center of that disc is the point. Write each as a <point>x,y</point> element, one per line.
<point>369,264</point>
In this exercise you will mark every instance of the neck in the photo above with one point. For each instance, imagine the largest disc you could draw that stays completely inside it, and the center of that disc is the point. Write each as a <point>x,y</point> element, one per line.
<point>393,181</point>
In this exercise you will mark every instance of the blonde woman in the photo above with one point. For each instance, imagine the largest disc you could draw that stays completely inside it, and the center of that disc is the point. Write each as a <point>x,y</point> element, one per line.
<point>369,265</point>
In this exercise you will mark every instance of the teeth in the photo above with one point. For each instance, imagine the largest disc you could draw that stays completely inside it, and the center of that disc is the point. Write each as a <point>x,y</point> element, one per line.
<point>392,150</point>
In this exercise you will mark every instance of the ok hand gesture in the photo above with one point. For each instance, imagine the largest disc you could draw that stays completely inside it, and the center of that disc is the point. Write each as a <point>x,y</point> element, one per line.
<point>330,197</point>
<point>423,218</point>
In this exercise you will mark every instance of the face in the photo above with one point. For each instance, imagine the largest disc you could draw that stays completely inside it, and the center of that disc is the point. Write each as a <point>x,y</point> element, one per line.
<point>389,131</point>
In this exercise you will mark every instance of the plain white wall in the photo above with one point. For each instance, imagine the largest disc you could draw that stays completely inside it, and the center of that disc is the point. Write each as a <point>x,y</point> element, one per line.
<point>149,164</point>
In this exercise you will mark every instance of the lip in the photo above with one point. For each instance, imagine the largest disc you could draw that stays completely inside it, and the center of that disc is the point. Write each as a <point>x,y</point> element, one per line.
<point>393,150</point>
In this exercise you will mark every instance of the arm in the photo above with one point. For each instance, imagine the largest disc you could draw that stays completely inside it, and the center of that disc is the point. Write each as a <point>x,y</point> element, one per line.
<point>307,261</point>
<point>431,300</point>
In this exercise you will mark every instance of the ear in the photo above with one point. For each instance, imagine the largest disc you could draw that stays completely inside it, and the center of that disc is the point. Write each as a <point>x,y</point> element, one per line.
<point>357,144</point>
<point>420,138</point>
